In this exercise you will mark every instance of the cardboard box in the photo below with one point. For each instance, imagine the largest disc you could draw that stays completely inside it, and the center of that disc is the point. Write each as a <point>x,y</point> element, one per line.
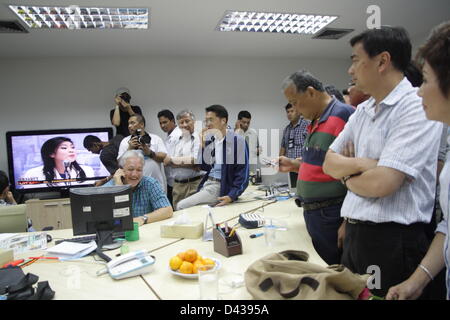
<point>186,231</point>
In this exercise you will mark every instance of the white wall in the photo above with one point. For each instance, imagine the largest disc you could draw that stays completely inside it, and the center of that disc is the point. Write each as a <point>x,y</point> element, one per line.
<point>78,92</point>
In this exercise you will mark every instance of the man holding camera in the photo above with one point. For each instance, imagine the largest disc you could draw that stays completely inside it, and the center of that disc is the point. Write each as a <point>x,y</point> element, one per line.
<point>123,111</point>
<point>151,146</point>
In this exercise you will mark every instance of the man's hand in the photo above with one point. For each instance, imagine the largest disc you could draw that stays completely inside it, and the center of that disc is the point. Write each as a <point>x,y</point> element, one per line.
<point>237,126</point>
<point>118,101</point>
<point>119,177</point>
<point>133,144</point>
<point>8,196</point>
<point>146,149</point>
<point>167,161</point>
<point>366,164</point>
<point>139,220</point>
<point>223,201</point>
<point>341,235</point>
<point>287,165</point>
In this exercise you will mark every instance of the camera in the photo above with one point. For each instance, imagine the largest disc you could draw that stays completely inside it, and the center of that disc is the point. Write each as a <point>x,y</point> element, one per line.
<point>145,139</point>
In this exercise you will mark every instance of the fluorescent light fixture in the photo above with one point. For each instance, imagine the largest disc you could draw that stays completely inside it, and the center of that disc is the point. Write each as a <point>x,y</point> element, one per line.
<point>75,17</point>
<point>274,22</point>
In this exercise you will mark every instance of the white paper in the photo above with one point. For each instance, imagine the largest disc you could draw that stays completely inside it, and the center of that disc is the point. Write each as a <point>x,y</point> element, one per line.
<point>70,248</point>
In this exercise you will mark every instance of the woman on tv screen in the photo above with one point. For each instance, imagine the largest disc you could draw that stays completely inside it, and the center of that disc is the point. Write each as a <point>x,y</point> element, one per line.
<point>60,167</point>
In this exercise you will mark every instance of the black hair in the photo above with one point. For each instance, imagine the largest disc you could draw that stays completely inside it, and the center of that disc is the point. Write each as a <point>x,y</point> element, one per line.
<point>414,74</point>
<point>49,147</point>
<point>244,114</point>
<point>394,40</point>
<point>89,141</point>
<point>166,113</point>
<point>436,51</point>
<point>4,181</point>
<point>333,91</point>
<point>288,106</point>
<point>126,97</point>
<point>219,110</point>
<point>303,79</point>
<point>139,117</point>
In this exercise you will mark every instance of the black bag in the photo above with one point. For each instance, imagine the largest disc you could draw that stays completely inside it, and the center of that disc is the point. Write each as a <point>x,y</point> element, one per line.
<point>15,285</point>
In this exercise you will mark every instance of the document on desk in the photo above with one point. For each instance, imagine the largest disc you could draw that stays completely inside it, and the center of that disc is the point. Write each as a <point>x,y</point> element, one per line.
<point>71,250</point>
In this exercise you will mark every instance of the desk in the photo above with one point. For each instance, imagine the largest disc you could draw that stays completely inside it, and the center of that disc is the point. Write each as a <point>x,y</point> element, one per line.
<point>78,280</point>
<point>169,286</point>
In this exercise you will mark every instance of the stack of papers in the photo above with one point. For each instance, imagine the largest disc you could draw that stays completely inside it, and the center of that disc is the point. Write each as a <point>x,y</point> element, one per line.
<point>72,250</point>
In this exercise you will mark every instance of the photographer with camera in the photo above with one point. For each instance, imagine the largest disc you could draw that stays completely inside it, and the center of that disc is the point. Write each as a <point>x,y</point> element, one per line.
<point>123,111</point>
<point>151,145</point>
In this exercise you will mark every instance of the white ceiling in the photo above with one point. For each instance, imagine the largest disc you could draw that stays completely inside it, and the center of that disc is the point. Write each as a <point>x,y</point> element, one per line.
<point>187,28</point>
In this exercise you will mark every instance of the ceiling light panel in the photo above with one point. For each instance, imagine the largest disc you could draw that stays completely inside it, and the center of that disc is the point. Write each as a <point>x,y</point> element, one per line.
<point>274,22</point>
<point>76,18</point>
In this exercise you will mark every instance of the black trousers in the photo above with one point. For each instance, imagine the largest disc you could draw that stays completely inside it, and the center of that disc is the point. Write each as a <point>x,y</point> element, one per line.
<point>394,248</point>
<point>169,195</point>
<point>322,225</point>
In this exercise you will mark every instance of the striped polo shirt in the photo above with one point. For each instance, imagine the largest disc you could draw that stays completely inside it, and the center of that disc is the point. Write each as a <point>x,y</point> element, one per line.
<point>314,185</point>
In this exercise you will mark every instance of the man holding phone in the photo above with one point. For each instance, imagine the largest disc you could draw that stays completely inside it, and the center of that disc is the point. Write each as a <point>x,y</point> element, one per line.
<point>123,111</point>
<point>149,202</point>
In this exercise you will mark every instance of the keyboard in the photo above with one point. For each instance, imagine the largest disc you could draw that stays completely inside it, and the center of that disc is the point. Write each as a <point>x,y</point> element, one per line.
<point>89,238</point>
<point>86,239</point>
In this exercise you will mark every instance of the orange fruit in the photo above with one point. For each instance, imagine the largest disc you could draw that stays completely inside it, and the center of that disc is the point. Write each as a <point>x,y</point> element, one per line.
<point>181,256</point>
<point>208,262</point>
<point>186,267</point>
<point>197,264</point>
<point>175,263</point>
<point>190,255</point>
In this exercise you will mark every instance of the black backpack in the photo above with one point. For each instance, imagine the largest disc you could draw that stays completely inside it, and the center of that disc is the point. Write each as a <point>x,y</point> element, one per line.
<point>15,285</point>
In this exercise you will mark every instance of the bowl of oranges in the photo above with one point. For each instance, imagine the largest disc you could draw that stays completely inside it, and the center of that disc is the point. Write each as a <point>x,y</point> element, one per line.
<point>186,264</point>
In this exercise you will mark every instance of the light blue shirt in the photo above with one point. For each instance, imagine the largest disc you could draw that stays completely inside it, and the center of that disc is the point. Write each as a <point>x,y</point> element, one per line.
<point>400,137</point>
<point>216,170</point>
<point>147,197</point>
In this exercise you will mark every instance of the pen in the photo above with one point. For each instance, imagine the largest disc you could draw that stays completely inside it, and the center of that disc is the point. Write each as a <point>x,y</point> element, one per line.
<point>232,232</point>
<point>256,235</point>
<point>51,258</point>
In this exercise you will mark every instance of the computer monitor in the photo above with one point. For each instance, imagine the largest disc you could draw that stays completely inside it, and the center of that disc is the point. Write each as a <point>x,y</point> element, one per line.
<point>101,211</point>
<point>35,159</point>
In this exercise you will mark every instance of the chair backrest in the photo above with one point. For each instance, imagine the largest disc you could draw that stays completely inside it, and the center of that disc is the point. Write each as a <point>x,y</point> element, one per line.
<point>13,218</point>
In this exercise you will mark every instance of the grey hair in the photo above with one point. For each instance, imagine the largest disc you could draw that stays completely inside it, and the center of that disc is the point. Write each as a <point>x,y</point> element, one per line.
<point>131,154</point>
<point>184,113</point>
<point>301,80</point>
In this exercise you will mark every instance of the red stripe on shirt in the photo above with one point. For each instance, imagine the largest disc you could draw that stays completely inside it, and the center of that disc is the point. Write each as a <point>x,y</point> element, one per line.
<point>309,172</point>
<point>333,126</point>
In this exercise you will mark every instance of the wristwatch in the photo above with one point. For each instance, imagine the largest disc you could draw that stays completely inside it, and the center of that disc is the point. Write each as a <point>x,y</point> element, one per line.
<point>344,179</point>
<point>145,217</point>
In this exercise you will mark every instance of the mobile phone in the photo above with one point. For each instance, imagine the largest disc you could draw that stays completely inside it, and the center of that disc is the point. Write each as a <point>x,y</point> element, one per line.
<point>214,204</point>
<point>268,162</point>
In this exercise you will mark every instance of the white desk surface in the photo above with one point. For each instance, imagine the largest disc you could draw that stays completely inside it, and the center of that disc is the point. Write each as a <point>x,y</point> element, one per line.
<point>78,280</point>
<point>169,286</point>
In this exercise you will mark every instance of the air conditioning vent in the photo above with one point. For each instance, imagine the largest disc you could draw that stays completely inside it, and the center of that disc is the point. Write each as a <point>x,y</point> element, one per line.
<point>12,26</point>
<point>332,33</point>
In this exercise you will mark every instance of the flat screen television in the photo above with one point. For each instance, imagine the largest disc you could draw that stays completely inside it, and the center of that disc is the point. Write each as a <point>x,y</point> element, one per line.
<point>53,160</point>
